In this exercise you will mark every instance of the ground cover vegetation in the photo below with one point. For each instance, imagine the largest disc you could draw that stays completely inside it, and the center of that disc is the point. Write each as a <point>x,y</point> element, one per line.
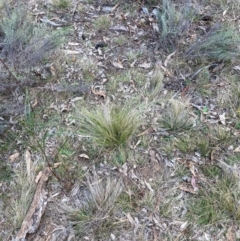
<point>119,120</point>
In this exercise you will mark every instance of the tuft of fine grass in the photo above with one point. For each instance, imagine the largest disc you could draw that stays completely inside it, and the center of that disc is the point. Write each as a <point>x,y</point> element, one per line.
<point>177,116</point>
<point>62,4</point>
<point>97,213</point>
<point>102,23</point>
<point>220,43</point>
<point>109,126</point>
<point>23,187</point>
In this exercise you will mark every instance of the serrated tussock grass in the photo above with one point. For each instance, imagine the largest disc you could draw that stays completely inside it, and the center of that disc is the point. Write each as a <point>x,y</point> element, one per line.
<point>109,125</point>
<point>220,43</point>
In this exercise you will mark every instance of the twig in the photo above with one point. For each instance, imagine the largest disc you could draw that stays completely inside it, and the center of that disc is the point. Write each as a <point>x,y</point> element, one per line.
<point>10,72</point>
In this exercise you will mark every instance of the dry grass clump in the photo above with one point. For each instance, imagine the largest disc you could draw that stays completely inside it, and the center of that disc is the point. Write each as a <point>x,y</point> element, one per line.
<point>23,188</point>
<point>97,209</point>
<point>109,125</point>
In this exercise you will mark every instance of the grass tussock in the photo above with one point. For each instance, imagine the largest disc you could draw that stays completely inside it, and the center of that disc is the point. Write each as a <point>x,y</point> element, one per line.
<point>177,116</point>
<point>23,187</point>
<point>98,212</point>
<point>109,126</point>
<point>220,43</point>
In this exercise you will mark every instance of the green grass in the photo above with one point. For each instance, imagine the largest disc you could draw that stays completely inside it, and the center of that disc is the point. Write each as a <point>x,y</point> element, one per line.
<point>217,204</point>
<point>177,116</point>
<point>185,143</point>
<point>5,172</point>
<point>233,159</point>
<point>109,125</point>
<point>202,141</point>
<point>212,171</point>
<point>62,4</point>
<point>203,144</point>
<point>102,23</point>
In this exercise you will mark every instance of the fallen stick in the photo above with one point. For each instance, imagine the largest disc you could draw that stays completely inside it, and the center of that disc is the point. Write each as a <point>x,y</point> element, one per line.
<point>37,208</point>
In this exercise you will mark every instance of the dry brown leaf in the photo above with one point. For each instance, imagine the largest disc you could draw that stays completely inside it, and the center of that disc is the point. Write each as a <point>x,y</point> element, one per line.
<point>76,99</point>
<point>192,168</point>
<point>53,70</point>
<point>68,51</point>
<point>186,189</point>
<point>148,186</point>
<point>57,164</point>
<point>168,58</point>
<point>118,64</point>
<point>115,7</point>
<point>130,219</point>
<point>83,155</point>
<point>183,226</point>
<point>34,104</point>
<point>237,149</point>
<point>218,67</point>
<point>145,65</point>
<point>37,178</point>
<point>14,157</point>
<point>231,235</point>
<point>166,71</point>
<point>222,119</point>
<point>28,161</point>
<point>153,158</point>
<point>194,184</point>
<point>119,28</point>
<point>147,131</point>
<point>101,93</point>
